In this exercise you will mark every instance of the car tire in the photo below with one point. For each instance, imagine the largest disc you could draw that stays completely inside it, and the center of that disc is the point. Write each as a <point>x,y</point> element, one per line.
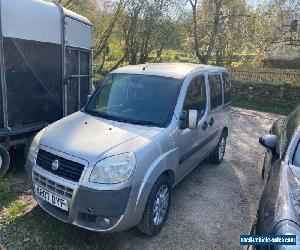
<point>157,208</point>
<point>217,155</point>
<point>4,161</point>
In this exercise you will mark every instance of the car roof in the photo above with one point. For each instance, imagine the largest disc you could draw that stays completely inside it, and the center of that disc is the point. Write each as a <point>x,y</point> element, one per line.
<point>173,70</point>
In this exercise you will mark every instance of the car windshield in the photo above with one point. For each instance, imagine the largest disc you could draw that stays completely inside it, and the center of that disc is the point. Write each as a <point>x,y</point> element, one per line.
<point>138,99</point>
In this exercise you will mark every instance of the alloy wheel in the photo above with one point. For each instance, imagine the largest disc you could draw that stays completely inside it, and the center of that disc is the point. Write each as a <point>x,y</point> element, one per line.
<point>222,148</point>
<point>161,204</point>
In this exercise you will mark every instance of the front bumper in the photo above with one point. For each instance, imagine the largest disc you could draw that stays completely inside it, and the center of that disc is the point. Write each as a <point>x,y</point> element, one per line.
<point>95,210</point>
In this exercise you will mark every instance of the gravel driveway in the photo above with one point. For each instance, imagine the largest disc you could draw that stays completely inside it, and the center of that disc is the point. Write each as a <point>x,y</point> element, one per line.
<point>211,207</point>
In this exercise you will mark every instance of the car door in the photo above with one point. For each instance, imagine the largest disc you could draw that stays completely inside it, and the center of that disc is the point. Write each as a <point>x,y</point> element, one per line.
<point>215,116</point>
<point>192,141</point>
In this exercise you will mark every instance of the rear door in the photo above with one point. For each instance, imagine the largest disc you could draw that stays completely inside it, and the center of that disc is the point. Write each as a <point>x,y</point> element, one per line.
<point>78,59</point>
<point>2,77</point>
<point>78,78</point>
<point>216,108</point>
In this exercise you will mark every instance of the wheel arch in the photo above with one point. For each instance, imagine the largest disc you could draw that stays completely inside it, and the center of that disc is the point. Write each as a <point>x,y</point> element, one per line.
<point>225,131</point>
<point>170,174</point>
<point>159,167</point>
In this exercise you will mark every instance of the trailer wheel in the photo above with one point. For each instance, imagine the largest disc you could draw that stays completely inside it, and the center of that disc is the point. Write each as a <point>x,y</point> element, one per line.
<point>4,161</point>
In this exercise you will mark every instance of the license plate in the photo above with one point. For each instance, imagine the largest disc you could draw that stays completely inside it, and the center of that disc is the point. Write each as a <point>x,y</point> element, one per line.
<point>51,198</point>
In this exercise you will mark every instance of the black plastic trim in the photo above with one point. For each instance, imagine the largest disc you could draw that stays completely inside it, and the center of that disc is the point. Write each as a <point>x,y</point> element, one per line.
<point>102,203</point>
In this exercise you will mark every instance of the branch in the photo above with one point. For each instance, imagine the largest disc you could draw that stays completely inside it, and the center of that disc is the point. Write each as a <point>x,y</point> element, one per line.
<point>67,3</point>
<point>104,41</point>
<point>235,15</point>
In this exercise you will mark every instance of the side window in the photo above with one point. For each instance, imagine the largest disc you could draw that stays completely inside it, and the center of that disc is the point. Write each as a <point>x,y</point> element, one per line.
<point>215,90</point>
<point>196,96</point>
<point>227,87</point>
<point>296,160</point>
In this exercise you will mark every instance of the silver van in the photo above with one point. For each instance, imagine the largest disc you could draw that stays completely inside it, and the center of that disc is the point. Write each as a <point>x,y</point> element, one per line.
<point>112,165</point>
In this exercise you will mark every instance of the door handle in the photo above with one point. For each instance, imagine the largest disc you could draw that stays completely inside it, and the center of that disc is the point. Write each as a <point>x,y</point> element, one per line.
<point>205,125</point>
<point>212,121</point>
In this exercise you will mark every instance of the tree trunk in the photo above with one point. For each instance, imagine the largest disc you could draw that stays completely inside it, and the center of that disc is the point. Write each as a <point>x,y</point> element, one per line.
<point>158,55</point>
<point>104,40</point>
<point>214,33</point>
<point>195,31</point>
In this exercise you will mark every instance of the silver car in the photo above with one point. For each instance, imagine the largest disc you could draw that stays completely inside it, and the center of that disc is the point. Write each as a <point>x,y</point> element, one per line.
<point>112,165</point>
<point>278,210</point>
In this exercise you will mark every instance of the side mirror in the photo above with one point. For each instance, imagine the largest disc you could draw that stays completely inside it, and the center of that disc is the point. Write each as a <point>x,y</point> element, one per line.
<point>193,119</point>
<point>269,142</point>
<point>189,119</point>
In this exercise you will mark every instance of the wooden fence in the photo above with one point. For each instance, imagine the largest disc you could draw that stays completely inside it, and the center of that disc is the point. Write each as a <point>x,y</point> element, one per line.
<point>271,76</point>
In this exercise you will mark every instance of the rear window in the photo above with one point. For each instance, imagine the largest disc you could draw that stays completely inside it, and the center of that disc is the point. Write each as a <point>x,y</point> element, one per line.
<point>227,87</point>
<point>296,160</point>
<point>215,90</point>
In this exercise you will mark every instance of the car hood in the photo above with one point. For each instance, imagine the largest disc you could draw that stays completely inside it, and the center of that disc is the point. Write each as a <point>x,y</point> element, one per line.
<point>91,138</point>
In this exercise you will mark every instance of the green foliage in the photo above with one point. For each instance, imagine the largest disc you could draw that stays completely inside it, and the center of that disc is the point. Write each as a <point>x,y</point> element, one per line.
<point>281,108</point>
<point>226,32</point>
<point>6,193</point>
<point>13,211</point>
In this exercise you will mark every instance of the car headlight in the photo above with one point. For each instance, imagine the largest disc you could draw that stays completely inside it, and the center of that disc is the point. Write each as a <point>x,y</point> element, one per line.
<point>34,146</point>
<point>287,227</point>
<point>114,169</point>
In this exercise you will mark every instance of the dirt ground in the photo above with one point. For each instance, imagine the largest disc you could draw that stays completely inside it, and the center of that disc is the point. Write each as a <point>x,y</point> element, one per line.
<point>211,207</point>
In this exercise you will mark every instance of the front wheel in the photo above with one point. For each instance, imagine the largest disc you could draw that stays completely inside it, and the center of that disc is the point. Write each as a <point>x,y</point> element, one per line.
<point>4,161</point>
<point>157,208</point>
<point>217,155</point>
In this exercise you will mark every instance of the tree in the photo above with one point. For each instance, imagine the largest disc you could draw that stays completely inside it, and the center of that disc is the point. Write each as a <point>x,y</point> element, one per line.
<point>138,31</point>
<point>144,24</point>
<point>281,18</point>
<point>102,44</point>
<point>204,45</point>
<point>216,24</point>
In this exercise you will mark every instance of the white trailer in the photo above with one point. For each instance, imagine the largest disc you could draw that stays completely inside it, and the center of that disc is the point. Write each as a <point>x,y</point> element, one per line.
<point>45,68</point>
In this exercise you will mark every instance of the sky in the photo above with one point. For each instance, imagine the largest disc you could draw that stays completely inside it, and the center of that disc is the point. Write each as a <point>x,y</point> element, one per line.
<point>254,3</point>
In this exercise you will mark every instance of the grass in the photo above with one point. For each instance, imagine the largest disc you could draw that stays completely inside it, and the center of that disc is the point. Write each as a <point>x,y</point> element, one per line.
<point>4,188</point>
<point>13,211</point>
<point>20,221</point>
<point>6,194</point>
<point>282,109</point>
<point>10,206</point>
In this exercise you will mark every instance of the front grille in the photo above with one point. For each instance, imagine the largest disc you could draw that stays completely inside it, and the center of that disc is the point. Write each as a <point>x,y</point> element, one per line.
<point>67,169</point>
<point>52,186</point>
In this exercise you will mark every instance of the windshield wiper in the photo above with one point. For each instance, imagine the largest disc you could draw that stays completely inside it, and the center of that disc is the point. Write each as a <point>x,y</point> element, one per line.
<point>139,122</point>
<point>122,119</point>
<point>91,112</point>
<point>101,115</point>
<point>109,117</point>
